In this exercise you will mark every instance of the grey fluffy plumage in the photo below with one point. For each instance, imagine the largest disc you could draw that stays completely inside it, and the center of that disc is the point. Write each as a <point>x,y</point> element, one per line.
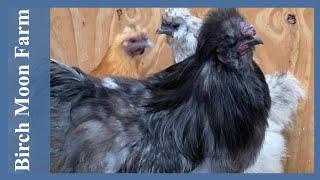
<point>285,90</point>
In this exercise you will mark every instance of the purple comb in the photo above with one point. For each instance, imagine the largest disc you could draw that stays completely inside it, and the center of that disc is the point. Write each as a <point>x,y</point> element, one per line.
<point>247,29</point>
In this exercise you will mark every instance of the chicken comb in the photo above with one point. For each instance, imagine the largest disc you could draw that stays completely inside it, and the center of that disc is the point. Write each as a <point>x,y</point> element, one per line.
<point>247,29</point>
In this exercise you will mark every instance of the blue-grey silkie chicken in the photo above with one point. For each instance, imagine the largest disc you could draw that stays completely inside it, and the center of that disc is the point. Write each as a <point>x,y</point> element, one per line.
<point>182,30</point>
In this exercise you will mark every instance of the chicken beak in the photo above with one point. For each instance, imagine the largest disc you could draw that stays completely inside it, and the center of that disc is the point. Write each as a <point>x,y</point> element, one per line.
<point>254,41</point>
<point>147,43</point>
<point>164,30</point>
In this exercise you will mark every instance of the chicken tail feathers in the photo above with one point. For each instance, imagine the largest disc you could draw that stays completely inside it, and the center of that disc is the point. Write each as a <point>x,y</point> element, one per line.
<point>68,85</point>
<point>66,82</point>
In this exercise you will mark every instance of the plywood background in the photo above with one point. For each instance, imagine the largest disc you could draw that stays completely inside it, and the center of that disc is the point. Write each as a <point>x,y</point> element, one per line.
<point>80,37</point>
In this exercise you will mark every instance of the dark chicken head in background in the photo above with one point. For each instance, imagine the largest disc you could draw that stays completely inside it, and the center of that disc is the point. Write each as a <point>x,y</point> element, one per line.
<point>134,40</point>
<point>230,38</point>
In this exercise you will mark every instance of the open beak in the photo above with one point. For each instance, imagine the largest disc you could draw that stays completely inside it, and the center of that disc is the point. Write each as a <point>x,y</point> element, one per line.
<point>164,30</point>
<point>254,41</point>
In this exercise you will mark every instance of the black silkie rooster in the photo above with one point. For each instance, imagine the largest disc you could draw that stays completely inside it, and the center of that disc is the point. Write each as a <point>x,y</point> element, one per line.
<point>209,110</point>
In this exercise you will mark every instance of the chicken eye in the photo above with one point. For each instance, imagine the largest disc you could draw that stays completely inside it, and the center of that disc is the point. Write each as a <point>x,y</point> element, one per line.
<point>175,26</point>
<point>132,40</point>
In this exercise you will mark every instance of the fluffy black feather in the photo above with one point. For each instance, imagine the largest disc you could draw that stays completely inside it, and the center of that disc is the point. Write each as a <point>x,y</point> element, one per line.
<point>211,108</point>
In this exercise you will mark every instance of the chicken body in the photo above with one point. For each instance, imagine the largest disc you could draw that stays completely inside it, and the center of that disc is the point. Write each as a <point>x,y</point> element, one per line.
<point>211,108</point>
<point>285,89</point>
<point>116,62</point>
<point>122,57</point>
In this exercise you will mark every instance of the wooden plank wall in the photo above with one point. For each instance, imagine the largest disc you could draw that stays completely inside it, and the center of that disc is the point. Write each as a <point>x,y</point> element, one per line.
<point>80,37</point>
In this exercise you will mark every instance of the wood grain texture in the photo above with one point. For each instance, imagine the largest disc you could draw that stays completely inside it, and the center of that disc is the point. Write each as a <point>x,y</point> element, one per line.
<point>80,37</point>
